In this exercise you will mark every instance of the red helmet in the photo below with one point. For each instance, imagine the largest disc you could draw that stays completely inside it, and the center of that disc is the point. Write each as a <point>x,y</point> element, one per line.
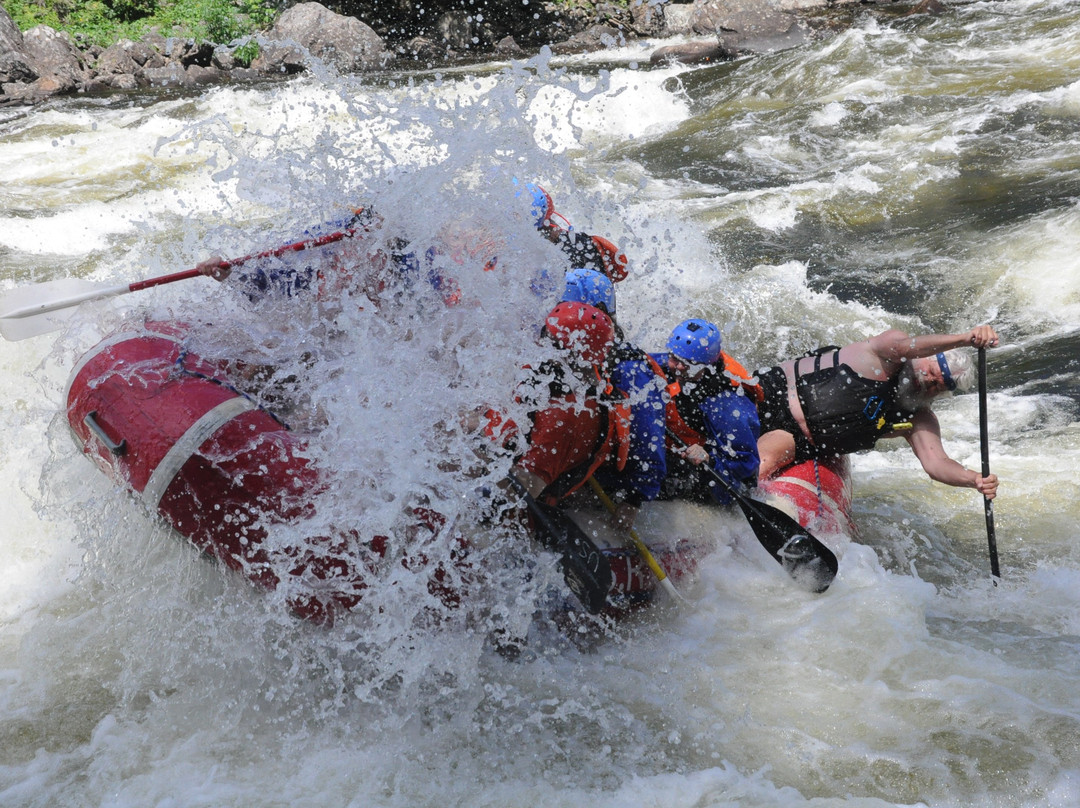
<point>582,328</point>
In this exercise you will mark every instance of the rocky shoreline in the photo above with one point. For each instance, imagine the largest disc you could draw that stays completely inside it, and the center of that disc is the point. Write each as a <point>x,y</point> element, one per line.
<point>42,62</point>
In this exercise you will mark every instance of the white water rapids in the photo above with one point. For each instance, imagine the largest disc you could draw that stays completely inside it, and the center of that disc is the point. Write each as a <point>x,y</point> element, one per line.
<point>921,173</point>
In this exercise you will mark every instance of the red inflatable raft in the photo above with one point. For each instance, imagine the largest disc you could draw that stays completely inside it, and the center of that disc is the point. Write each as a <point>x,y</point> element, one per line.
<point>169,426</point>
<point>221,471</point>
<point>817,494</point>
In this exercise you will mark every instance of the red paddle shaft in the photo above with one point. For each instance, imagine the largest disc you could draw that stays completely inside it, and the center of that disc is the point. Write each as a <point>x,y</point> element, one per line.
<point>296,246</point>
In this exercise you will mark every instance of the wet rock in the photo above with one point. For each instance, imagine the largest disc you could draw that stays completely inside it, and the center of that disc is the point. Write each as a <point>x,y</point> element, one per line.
<point>188,52</point>
<point>423,50</point>
<point>123,81</point>
<point>748,26</point>
<point>932,7</point>
<point>594,38</point>
<point>55,57</point>
<point>508,46</point>
<point>201,75</point>
<point>456,30</point>
<point>276,58</point>
<point>692,53</point>
<point>345,42</point>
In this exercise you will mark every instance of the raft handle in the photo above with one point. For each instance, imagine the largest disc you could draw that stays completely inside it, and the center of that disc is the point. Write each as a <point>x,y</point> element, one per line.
<point>116,448</point>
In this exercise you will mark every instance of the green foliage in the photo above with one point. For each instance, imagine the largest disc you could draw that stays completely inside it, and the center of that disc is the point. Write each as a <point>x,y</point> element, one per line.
<point>130,10</point>
<point>105,21</point>
<point>246,53</point>
<point>261,13</point>
<point>27,14</point>
<point>222,25</point>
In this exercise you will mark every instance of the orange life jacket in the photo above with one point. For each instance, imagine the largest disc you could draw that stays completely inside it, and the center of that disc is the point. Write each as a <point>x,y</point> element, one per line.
<point>741,377</point>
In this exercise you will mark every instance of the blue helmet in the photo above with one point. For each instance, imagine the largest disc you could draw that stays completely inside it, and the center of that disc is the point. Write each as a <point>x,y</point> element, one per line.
<point>541,206</point>
<point>590,286</point>
<point>695,341</point>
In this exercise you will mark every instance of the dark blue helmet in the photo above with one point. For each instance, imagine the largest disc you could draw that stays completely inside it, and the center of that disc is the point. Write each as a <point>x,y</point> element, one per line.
<point>695,341</point>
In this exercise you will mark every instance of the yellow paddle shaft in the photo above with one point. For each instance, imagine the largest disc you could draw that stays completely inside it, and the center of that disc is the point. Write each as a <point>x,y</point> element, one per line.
<point>639,545</point>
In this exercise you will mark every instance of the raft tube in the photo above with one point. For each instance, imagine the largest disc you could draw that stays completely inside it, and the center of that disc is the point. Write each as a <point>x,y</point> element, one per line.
<point>221,471</point>
<point>633,582</point>
<point>816,493</point>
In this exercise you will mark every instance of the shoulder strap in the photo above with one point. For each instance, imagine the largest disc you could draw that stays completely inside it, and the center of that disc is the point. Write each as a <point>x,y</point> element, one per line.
<point>817,353</point>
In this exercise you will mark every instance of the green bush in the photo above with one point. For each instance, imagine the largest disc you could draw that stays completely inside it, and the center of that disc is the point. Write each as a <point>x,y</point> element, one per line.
<point>28,14</point>
<point>131,10</point>
<point>246,53</point>
<point>103,22</point>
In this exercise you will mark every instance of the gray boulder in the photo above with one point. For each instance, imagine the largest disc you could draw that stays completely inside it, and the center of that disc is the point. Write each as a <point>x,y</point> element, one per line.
<point>747,26</point>
<point>47,63</point>
<point>55,57</point>
<point>118,59</point>
<point>345,42</point>
<point>280,59</point>
<point>15,66</point>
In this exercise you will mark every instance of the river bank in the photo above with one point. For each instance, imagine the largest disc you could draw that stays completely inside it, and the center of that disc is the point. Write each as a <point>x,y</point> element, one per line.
<point>42,63</point>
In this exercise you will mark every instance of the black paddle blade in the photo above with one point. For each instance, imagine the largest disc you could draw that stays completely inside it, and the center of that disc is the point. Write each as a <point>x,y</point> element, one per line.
<point>585,569</point>
<point>804,557</point>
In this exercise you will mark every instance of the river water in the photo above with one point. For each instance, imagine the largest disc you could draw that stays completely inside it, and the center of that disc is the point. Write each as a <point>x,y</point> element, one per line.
<point>920,173</point>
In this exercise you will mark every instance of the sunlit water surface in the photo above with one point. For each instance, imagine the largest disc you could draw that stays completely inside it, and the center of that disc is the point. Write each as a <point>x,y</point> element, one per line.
<point>920,173</point>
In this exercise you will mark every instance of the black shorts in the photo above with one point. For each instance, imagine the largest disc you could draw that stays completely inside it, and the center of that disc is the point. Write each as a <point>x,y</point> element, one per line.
<point>774,413</point>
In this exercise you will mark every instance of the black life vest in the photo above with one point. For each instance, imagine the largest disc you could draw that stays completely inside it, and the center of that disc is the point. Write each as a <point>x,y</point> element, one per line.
<point>844,411</point>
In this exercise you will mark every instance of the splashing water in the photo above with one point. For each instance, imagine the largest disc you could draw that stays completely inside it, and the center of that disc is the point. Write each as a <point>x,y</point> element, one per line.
<point>912,173</point>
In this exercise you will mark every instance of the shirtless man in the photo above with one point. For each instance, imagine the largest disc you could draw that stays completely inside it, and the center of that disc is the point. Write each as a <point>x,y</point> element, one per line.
<point>840,400</point>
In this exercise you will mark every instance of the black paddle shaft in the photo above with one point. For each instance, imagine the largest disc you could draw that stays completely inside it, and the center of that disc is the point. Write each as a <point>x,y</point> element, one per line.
<point>804,557</point>
<point>585,569</point>
<point>984,439</point>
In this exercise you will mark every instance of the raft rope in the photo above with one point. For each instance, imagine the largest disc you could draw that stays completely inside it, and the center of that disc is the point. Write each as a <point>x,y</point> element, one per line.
<point>820,492</point>
<point>182,357</point>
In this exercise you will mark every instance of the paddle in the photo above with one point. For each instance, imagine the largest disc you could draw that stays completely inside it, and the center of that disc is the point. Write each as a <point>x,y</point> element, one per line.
<point>584,567</point>
<point>640,546</point>
<point>804,557</point>
<point>988,504</point>
<point>32,310</point>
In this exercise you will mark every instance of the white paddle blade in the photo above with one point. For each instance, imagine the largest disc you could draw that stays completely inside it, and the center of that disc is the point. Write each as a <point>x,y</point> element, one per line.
<point>28,311</point>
